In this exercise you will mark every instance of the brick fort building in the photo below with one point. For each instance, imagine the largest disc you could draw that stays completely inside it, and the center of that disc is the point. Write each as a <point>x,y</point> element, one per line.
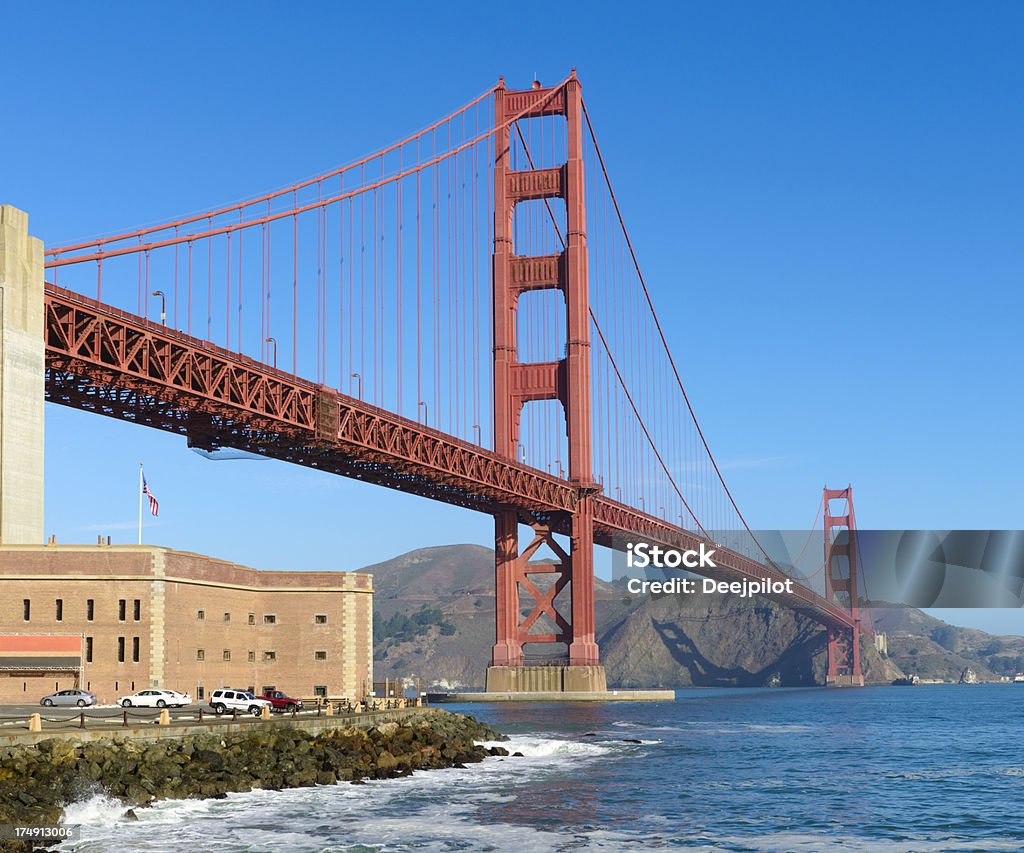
<point>153,617</point>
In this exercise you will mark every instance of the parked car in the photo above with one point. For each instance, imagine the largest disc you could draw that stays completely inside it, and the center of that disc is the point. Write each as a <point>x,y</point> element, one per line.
<point>149,699</point>
<point>282,701</point>
<point>155,698</point>
<point>178,699</point>
<point>81,698</point>
<point>229,699</point>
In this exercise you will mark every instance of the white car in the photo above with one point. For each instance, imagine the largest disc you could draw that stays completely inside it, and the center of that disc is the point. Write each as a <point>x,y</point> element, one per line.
<point>155,699</point>
<point>178,699</point>
<point>228,699</point>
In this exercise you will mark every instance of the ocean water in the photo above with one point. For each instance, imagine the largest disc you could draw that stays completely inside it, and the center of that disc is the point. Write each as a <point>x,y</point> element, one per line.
<point>930,768</point>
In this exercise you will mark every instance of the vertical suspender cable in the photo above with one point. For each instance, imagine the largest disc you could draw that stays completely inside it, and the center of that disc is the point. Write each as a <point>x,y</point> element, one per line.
<point>295,287</point>
<point>398,285</point>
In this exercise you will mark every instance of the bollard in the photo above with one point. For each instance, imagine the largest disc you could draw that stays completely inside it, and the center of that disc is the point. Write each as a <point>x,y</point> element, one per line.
<point>265,712</point>
<point>81,721</point>
<point>165,717</point>
<point>35,723</point>
<point>234,713</point>
<point>293,712</point>
<point>125,723</point>
<point>200,715</point>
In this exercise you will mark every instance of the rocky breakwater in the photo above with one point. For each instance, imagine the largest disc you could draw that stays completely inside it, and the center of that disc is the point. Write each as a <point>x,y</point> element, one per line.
<point>38,780</point>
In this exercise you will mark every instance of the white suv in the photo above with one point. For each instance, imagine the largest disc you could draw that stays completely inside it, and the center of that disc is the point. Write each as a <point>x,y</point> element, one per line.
<point>227,699</point>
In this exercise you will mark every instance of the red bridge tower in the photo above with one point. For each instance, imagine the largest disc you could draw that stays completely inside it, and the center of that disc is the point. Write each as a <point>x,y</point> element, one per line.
<point>566,380</point>
<point>841,587</point>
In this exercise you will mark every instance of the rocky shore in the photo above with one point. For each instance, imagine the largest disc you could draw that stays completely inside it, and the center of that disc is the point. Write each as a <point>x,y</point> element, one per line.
<point>38,780</point>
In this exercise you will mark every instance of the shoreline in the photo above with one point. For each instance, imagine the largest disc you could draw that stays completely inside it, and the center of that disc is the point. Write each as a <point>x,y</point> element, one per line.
<point>38,780</point>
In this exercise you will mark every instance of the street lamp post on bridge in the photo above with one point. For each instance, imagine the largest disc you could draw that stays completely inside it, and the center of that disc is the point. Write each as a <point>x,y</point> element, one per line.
<point>163,306</point>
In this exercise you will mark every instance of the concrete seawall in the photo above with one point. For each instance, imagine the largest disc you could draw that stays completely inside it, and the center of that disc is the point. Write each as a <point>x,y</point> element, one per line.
<point>218,725</point>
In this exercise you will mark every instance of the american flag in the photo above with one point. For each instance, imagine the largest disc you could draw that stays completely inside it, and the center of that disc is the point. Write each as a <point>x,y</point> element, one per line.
<point>154,506</point>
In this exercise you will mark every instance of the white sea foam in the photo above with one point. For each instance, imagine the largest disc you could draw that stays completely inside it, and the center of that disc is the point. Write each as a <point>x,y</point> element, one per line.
<point>96,810</point>
<point>429,811</point>
<point>540,747</point>
<point>312,820</point>
<point>390,816</point>
<point>629,724</point>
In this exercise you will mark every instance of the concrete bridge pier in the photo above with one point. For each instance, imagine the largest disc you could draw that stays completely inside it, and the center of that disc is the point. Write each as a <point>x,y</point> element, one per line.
<point>22,381</point>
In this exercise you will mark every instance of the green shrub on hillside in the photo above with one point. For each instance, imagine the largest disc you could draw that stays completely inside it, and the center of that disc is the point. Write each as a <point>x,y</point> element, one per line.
<point>403,627</point>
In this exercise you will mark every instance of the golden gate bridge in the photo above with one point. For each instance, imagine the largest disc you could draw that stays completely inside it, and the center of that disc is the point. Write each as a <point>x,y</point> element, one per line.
<point>460,315</point>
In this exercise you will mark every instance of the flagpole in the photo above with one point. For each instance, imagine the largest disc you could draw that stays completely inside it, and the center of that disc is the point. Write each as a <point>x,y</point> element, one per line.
<point>140,503</point>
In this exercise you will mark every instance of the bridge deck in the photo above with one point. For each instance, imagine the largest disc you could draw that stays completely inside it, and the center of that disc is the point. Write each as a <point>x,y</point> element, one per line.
<point>109,361</point>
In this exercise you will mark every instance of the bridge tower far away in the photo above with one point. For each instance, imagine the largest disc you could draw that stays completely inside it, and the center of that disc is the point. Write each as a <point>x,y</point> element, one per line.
<point>567,381</point>
<point>22,377</point>
<point>841,571</point>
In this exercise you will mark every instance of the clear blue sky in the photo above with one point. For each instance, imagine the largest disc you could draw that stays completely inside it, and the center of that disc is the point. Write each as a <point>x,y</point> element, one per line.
<point>828,201</point>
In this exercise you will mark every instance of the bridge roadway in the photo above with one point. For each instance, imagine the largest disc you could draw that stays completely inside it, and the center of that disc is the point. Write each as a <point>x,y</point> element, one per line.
<point>102,359</point>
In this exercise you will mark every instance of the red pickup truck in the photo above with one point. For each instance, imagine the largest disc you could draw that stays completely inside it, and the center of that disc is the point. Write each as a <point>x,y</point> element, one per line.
<point>281,701</point>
